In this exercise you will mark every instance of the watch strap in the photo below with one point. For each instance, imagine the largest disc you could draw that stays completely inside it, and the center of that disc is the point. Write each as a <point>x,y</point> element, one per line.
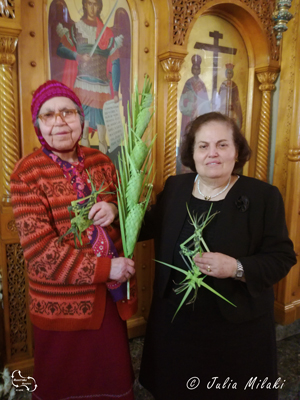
<point>239,270</point>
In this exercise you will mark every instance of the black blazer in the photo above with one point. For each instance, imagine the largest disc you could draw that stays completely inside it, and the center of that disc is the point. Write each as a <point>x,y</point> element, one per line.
<point>251,227</point>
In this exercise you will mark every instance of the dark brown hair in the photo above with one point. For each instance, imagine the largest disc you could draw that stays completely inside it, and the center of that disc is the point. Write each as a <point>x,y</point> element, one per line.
<point>240,142</point>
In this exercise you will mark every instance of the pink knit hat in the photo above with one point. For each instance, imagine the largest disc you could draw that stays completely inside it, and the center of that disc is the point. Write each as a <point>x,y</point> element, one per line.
<point>45,92</point>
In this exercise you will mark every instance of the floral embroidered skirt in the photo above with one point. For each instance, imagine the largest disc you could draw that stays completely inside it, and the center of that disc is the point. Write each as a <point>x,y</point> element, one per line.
<point>86,364</point>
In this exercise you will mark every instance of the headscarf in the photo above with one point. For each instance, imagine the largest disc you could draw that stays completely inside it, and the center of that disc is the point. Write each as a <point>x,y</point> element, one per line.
<point>46,92</point>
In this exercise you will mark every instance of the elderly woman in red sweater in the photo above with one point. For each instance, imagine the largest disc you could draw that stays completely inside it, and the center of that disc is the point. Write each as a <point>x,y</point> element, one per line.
<point>77,300</point>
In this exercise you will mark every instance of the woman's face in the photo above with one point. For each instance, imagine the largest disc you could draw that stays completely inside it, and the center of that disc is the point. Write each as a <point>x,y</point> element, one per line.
<point>60,135</point>
<point>214,151</point>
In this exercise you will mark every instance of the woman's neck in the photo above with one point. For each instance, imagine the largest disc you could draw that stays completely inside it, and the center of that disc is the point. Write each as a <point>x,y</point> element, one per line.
<point>70,157</point>
<point>214,184</point>
<point>213,188</point>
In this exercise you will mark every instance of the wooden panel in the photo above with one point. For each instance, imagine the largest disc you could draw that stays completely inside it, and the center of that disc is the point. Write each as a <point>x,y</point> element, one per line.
<point>32,68</point>
<point>143,257</point>
<point>18,332</point>
<point>287,163</point>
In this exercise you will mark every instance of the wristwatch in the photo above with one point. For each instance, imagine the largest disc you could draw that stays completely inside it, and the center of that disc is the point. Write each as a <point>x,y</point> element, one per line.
<point>239,270</point>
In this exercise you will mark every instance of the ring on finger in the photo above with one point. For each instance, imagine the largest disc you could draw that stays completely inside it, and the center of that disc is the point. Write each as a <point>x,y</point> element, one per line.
<point>208,268</point>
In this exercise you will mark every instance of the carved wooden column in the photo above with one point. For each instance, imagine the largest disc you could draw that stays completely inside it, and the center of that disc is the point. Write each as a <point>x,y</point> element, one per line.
<point>287,164</point>
<point>18,335</point>
<point>171,66</point>
<point>17,352</point>
<point>8,131</point>
<point>287,293</point>
<point>267,79</point>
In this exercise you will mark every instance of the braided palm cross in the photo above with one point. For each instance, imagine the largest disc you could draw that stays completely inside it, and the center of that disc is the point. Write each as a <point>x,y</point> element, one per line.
<point>194,279</point>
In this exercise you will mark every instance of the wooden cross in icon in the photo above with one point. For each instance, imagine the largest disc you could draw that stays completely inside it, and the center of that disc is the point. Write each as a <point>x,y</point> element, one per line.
<point>216,49</point>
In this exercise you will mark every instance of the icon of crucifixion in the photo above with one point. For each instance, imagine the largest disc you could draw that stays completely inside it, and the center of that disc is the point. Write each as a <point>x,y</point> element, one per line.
<point>216,49</point>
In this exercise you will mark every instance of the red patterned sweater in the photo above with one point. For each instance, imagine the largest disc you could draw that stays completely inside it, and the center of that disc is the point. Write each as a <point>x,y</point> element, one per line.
<point>67,288</point>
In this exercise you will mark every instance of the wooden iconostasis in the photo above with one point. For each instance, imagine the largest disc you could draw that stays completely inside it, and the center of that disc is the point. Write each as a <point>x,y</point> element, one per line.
<point>200,55</point>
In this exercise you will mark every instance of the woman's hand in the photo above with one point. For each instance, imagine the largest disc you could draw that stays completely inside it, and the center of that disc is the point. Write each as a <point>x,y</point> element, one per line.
<point>103,213</point>
<point>121,269</point>
<point>216,264</point>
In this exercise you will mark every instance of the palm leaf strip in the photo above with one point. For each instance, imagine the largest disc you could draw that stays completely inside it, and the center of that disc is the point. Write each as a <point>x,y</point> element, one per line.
<point>134,184</point>
<point>194,279</point>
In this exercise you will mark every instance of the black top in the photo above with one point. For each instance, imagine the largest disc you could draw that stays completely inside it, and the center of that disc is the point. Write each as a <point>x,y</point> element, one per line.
<point>251,227</point>
<point>212,338</point>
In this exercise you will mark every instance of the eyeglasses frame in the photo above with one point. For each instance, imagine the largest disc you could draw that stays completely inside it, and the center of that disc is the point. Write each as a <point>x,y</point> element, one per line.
<point>59,113</point>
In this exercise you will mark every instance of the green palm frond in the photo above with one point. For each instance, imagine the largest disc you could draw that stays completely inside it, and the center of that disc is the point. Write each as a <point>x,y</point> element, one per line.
<point>194,279</point>
<point>81,209</point>
<point>134,183</point>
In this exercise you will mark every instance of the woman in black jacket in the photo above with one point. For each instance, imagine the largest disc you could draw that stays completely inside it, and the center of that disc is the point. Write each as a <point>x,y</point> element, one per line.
<point>213,350</point>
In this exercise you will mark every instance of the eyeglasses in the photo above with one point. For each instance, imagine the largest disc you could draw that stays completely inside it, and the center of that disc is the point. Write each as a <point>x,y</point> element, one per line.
<point>68,116</point>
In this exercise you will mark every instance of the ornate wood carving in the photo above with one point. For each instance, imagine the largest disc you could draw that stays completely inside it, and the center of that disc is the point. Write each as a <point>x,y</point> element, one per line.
<point>8,130</point>
<point>287,162</point>
<point>17,300</point>
<point>294,155</point>
<point>267,80</point>
<point>171,67</point>
<point>7,9</point>
<point>287,92</point>
<point>1,290</point>
<point>11,226</point>
<point>184,12</point>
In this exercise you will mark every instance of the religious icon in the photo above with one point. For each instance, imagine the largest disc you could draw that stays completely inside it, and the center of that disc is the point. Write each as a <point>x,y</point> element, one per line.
<point>87,56</point>
<point>213,43</point>
<point>194,99</point>
<point>229,100</point>
<point>217,51</point>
